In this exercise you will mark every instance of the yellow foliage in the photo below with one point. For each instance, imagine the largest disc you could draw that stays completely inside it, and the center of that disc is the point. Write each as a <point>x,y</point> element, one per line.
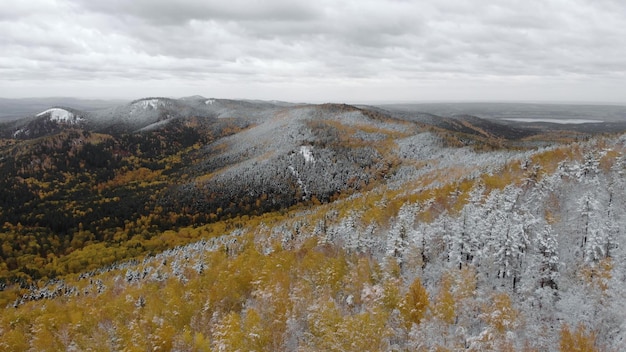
<point>466,283</point>
<point>358,276</point>
<point>333,332</point>
<point>323,322</point>
<point>577,341</point>
<point>257,336</point>
<point>500,314</point>
<point>553,207</point>
<point>549,160</point>
<point>415,303</point>
<point>14,340</point>
<point>597,274</point>
<point>444,304</point>
<point>142,174</point>
<point>228,335</point>
<point>201,343</point>
<point>608,160</point>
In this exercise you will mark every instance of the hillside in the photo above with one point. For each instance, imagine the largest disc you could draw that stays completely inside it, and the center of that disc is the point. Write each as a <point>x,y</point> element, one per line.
<point>207,224</point>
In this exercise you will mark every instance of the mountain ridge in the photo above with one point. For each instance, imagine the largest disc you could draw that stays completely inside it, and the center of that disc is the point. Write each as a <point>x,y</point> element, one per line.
<point>141,113</point>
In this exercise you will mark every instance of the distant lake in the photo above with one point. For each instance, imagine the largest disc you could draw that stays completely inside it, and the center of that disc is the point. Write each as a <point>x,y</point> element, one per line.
<point>562,121</point>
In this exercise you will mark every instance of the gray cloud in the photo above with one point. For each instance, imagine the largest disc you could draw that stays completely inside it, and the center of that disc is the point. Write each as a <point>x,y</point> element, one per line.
<point>436,47</point>
<point>164,12</point>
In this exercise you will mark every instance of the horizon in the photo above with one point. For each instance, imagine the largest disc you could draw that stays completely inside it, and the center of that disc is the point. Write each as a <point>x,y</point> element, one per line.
<point>372,51</point>
<point>316,102</point>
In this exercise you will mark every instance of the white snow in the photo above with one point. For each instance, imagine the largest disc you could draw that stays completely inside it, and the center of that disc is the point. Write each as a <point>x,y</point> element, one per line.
<point>307,153</point>
<point>295,173</point>
<point>209,102</point>
<point>153,103</point>
<point>561,121</point>
<point>148,104</point>
<point>60,115</point>
<point>20,131</point>
<point>144,105</point>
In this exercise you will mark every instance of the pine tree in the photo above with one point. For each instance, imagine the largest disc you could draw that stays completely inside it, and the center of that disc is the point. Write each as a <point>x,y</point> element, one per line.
<point>509,238</point>
<point>595,229</point>
<point>546,246</point>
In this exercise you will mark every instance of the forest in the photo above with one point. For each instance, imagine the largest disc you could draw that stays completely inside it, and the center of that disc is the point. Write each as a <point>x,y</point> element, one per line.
<point>352,229</point>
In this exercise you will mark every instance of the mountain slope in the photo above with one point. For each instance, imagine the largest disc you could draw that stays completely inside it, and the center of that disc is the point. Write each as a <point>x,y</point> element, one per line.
<point>215,224</point>
<point>157,164</point>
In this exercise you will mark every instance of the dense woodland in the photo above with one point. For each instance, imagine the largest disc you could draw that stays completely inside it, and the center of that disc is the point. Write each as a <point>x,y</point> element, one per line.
<point>349,231</point>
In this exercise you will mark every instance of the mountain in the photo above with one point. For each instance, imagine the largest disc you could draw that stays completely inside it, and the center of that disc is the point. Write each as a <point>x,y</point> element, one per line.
<point>13,109</point>
<point>147,114</point>
<point>214,159</point>
<point>47,122</point>
<point>215,224</point>
<point>217,159</point>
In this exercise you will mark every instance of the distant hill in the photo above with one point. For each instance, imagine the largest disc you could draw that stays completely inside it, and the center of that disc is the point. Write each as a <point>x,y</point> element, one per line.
<point>598,112</point>
<point>12,109</point>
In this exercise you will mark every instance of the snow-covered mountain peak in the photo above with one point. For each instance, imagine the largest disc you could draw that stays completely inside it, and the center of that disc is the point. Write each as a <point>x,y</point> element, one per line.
<point>61,115</point>
<point>148,104</point>
<point>48,122</point>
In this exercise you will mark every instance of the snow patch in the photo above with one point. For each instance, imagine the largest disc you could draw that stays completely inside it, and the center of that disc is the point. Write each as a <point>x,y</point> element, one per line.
<point>20,132</point>
<point>307,153</point>
<point>209,102</point>
<point>60,115</point>
<point>153,103</point>
<point>154,126</point>
<point>148,104</point>
<point>304,188</point>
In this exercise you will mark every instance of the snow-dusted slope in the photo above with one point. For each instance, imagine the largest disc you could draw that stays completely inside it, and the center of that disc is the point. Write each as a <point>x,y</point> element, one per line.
<point>135,115</point>
<point>510,245</point>
<point>47,122</point>
<point>61,115</point>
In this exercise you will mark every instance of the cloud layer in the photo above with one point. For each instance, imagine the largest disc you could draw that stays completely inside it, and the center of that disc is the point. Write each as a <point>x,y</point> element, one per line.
<point>323,50</point>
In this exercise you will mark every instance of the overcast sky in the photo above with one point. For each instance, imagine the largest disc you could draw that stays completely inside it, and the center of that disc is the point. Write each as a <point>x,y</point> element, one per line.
<point>322,50</point>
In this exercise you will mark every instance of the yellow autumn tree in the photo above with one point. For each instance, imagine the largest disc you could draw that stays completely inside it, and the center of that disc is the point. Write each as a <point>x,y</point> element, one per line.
<point>579,340</point>
<point>324,319</point>
<point>391,294</point>
<point>500,314</point>
<point>444,303</point>
<point>501,318</point>
<point>196,341</point>
<point>228,335</point>
<point>415,303</point>
<point>257,337</point>
<point>331,331</point>
<point>365,331</point>
<point>597,275</point>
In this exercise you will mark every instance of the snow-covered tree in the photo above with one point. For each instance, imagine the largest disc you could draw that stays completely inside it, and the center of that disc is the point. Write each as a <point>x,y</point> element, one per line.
<point>545,244</point>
